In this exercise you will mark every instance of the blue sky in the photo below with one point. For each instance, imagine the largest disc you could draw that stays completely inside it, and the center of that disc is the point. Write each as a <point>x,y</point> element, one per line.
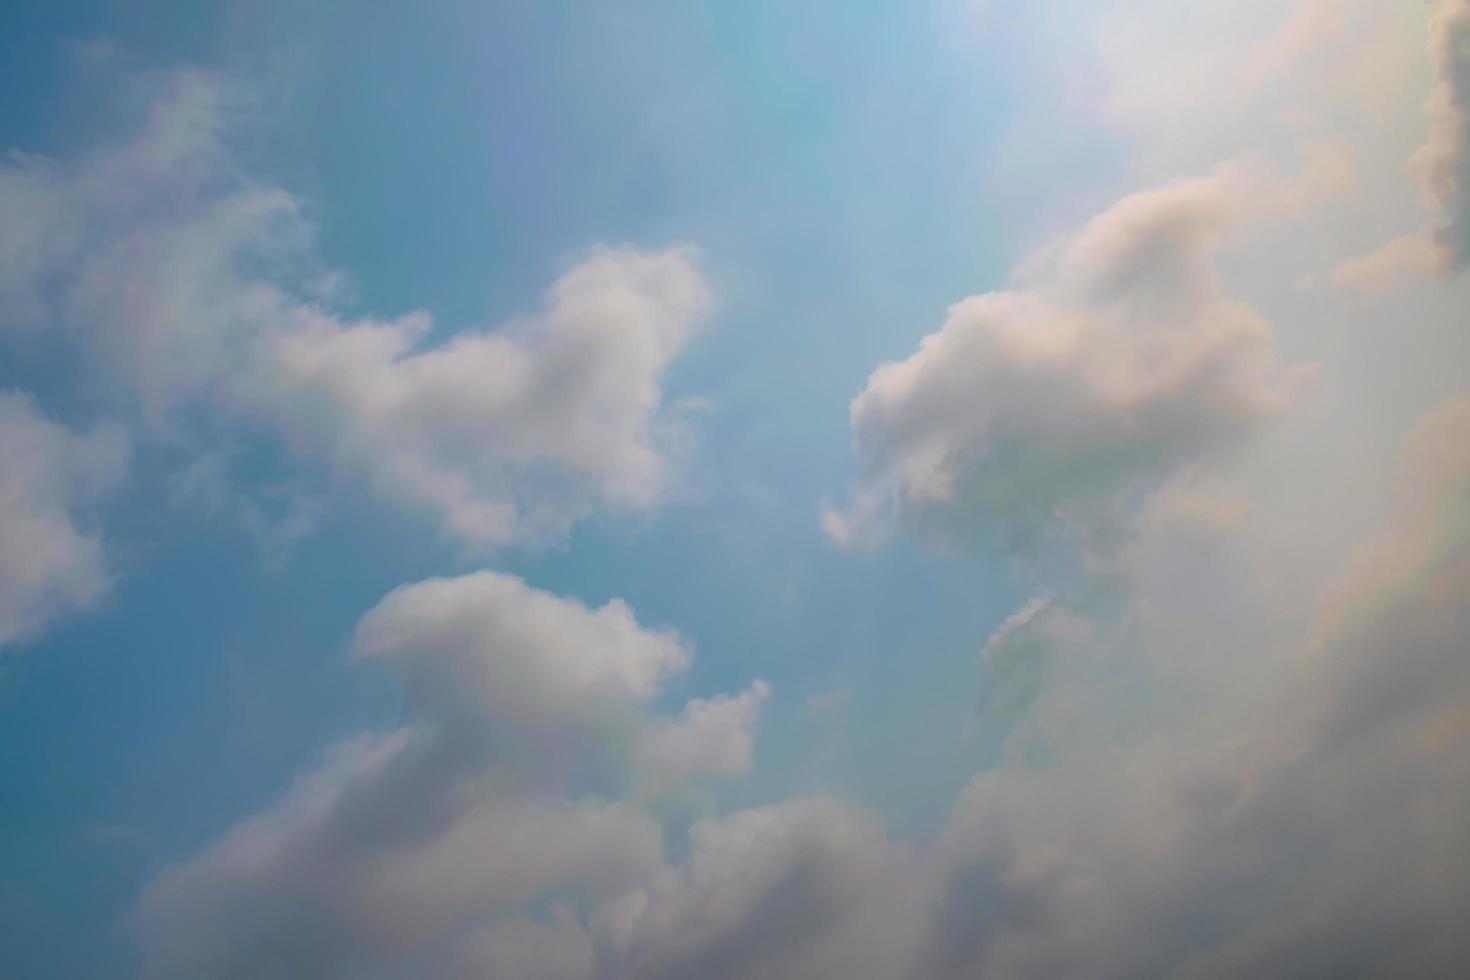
<point>1006,408</point>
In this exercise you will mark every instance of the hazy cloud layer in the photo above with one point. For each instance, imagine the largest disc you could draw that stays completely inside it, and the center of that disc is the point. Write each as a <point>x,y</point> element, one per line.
<point>1393,263</point>
<point>1279,798</point>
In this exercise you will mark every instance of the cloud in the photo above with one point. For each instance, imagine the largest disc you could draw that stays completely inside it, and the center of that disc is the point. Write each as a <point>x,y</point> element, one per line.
<point>1238,738</point>
<point>57,211</point>
<point>1280,797</point>
<point>1013,624</point>
<point>508,433</point>
<point>393,847</point>
<point>713,736</point>
<point>38,227</point>
<point>515,653</point>
<point>276,518</point>
<point>530,949</point>
<point>132,247</point>
<point>431,848</point>
<point>1425,527</point>
<point>1113,361</point>
<point>1444,161</point>
<point>1184,87</point>
<point>1241,769</point>
<point>1442,165</point>
<point>51,560</point>
<point>183,283</point>
<point>1406,258</point>
<point>757,895</point>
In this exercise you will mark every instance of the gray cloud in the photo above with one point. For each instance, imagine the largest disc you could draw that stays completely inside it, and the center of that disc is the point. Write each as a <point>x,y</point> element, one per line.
<point>1445,159</point>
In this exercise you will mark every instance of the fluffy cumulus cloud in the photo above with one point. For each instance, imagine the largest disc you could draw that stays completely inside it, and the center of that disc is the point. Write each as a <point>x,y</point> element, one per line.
<point>762,893</point>
<point>1114,360</point>
<point>491,835</point>
<point>51,477</point>
<point>184,282</point>
<point>487,650</point>
<point>507,433</point>
<point>711,735</point>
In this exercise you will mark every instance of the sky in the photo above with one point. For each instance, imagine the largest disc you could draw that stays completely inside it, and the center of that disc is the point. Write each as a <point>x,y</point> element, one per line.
<point>643,491</point>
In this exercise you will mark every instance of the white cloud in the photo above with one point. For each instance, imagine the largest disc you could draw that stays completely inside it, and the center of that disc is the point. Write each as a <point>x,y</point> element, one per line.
<point>511,433</point>
<point>435,844</point>
<point>490,644</point>
<point>757,896</point>
<point>131,246</point>
<point>1231,785</point>
<point>1240,742</point>
<point>51,560</point>
<point>711,736</point>
<point>396,846</point>
<point>1115,360</point>
<point>1186,85</point>
<point>1238,770</point>
<point>1239,746</point>
<point>1442,164</point>
<point>1399,260</point>
<point>182,281</point>
<point>1012,624</point>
